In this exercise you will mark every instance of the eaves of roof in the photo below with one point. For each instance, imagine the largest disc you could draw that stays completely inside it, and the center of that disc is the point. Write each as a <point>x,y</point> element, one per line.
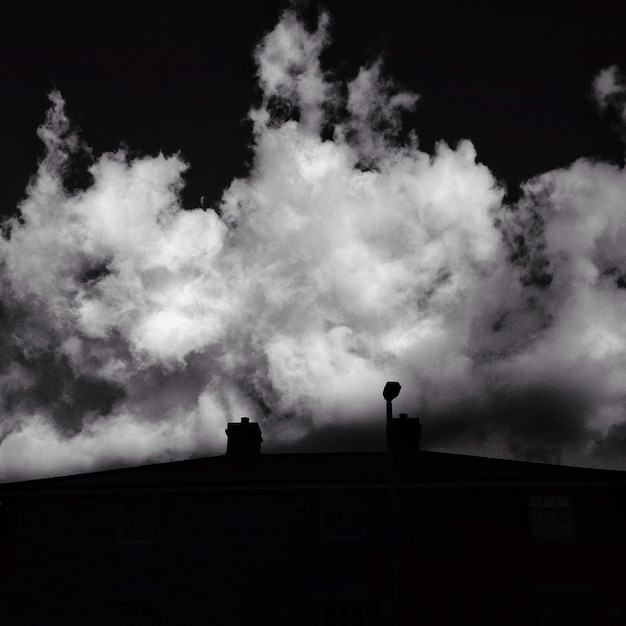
<point>319,470</point>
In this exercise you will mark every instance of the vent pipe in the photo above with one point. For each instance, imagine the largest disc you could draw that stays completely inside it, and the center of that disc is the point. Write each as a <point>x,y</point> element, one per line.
<point>403,433</point>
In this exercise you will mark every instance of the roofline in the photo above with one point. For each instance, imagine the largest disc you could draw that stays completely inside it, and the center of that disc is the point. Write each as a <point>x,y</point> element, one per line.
<point>604,476</point>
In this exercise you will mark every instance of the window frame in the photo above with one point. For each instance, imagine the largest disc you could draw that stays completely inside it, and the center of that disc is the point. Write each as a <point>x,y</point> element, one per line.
<point>130,614</point>
<point>550,516</point>
<point>343,612</point>
<point>333,519</point>
<point>140,520</point>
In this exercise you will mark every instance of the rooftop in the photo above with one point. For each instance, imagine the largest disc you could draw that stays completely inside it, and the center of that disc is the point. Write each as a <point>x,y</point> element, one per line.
<point>307,470</point>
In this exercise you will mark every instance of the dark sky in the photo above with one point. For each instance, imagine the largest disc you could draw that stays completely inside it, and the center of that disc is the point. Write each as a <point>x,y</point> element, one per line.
<point>512,77</point>
<point>352,232</point>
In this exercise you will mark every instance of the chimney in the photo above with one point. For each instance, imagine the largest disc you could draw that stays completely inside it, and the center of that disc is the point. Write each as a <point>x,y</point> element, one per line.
<point>244,440</point>
<point>403,433</point>
<point>403,436</point>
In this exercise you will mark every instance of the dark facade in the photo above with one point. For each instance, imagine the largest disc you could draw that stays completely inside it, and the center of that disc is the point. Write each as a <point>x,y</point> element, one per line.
<point>356,539</point>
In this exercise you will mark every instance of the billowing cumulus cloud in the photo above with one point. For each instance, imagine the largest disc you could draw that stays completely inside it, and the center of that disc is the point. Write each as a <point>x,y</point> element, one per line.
<point>135,329</point>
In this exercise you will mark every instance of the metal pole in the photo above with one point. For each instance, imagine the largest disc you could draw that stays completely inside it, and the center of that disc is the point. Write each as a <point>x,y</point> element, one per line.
<point>393,514</point>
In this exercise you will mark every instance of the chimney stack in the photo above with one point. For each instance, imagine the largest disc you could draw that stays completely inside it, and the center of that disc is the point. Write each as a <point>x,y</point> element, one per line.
<point>403,436</point>
<point>244,440</point>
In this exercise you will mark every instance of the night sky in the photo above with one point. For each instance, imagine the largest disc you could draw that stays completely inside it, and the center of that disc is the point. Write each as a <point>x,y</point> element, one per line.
<point>273,209</point>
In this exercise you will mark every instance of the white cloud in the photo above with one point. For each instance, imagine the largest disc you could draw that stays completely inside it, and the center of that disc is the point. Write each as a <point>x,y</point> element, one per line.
<point>141,328</point>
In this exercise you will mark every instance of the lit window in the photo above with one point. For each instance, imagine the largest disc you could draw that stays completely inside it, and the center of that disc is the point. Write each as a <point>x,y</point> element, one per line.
<point>131,615</point>
<point>338,523</point>
<point>343,613</point>
<point>140,520</point>
<point>551,516</point>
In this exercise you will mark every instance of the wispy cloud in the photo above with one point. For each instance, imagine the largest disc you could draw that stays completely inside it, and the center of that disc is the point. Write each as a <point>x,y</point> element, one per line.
<point>609,92</point>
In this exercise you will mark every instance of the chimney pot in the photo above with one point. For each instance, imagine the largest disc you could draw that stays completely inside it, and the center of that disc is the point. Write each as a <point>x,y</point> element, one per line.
<point>404,416</point>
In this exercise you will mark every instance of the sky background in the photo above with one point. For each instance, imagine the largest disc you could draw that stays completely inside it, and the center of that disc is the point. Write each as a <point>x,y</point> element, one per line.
<point>272,214</point>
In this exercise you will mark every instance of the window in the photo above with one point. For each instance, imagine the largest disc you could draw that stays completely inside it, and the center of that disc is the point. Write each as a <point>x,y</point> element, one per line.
<point>140,520</point>
<point>343,613</point>
<point>131,615</point>
<point>342,523</point>
<point>560,613</point>
<point>550,516</point>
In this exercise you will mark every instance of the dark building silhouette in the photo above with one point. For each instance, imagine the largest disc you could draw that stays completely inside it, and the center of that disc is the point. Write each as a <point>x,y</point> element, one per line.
<point>401,537</point>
